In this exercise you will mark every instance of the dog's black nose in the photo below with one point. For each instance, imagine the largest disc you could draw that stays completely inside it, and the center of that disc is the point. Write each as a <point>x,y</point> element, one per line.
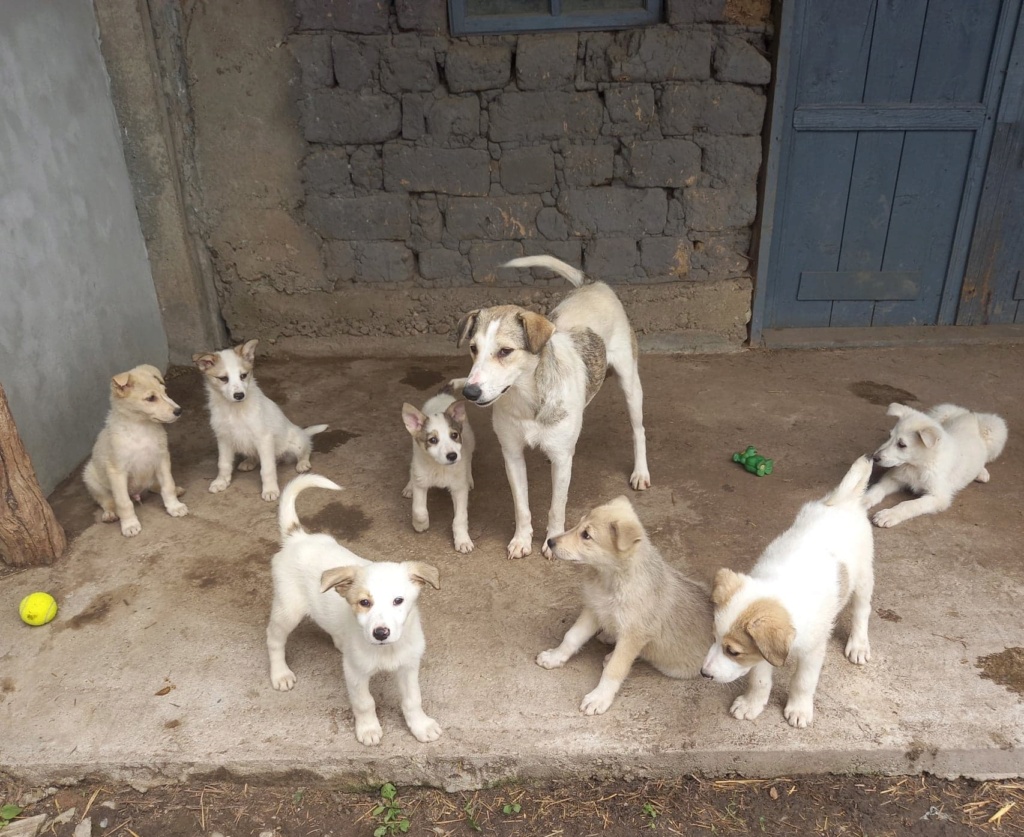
<point>380,634</point>
<point>177,411</point>
<point>238,396</point>
<point>875,458</point>
<point>472,392</point>
<point>705,674</point>
<point>551,543</point>
<point>452,456</point>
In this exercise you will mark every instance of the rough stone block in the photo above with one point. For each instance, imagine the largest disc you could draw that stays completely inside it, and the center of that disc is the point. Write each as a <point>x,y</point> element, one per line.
<point>610,259</point>
<point>485,257</point>
<point>428,222</point>
<point>444,266</point>
<point>665,257</point>
<point>546,62</point>
<point>408,70</point>
<point>738,60</point>
<point>385,261</point>
<point>723,255</point>
<point>365,17</point>
<point>366,168</point>
<point>588,165</point>
<point>552,224</point>
<point>326,170</point>
<point>355,62</point>
<point>527,170</point>
<point>671,163</point>
<point>614,210</point>
<point>493,218</point>
<point>471,67</point>
<point>735,161</point>
<point>367,218</point>
<point>340,118</point>
<point>449,120</point>
<point>719,209</point>
<point>660,54</point>
<point>422,15</point>
<point>313,55</point>
<point>462,171</point>
<point>535,117</point>
<point>716,108</point>
<point>695,11</point>
<point>631,107</point>
<point>339,261</point>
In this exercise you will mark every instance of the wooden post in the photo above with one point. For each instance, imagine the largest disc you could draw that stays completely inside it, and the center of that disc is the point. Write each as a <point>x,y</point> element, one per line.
<point>29,533</point>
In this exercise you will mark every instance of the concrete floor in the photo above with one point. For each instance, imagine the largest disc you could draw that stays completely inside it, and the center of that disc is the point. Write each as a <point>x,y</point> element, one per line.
<point>155,668</point>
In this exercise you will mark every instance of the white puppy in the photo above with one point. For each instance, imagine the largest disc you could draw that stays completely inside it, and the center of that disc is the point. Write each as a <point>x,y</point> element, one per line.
<point>442,457</point>
<point>540,374</point>
<point>372,615</point>
<point>130,455</point>
<point>935,455</point>
<point>787,606</point>
<point>246,422</point>
<point>648,608</point>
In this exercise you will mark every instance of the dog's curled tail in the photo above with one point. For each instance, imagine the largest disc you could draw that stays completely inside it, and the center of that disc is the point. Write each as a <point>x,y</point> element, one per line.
<point>286,516</point>
<point>551,263</point>
<point>853,486</point>
<point>313,429</point>
<point>993,431</point>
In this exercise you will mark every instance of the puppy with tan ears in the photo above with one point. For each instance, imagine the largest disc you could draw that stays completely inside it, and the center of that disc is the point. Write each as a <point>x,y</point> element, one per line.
<point>934,454</point>
<point>246,422</point>
<point>648,608</point>
<point>131,455</point>
<point>442,457</point>
<point>369,609</point>
<point>786,607</point>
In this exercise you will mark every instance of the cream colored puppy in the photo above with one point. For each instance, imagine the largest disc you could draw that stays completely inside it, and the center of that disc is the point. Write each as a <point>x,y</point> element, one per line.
<point>936,455</point>
<point>131,455</point>
<point>649,609</point>
<point>540,374</point>
<point>786,607</point>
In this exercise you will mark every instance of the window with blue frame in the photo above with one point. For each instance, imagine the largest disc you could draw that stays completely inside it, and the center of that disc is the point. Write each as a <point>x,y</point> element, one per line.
<point>502,17</point>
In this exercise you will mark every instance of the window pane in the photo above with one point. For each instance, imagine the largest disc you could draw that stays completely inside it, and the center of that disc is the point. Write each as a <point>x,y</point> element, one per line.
<point>507,7</point>
<point>601,5</point>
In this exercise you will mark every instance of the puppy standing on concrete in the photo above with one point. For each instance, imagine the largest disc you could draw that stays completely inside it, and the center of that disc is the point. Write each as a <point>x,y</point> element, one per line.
<point>246,422</point>
<point>647,608</point>
<point>540,374</point>
<point>442,457</point>
<point>130,455</point>
<point>787,606</point>
<point>374,619</point>
<point>935,455</point>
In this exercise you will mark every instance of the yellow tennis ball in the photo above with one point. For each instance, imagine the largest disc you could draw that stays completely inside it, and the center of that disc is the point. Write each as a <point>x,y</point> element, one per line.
<point>37,608</point>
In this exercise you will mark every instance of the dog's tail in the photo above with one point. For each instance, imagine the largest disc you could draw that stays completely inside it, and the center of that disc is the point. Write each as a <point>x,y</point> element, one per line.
<point>993,431</point>
<point>286,516</point>
<point>853,486</point>
<point>551,263</point>
<point>313,429</point>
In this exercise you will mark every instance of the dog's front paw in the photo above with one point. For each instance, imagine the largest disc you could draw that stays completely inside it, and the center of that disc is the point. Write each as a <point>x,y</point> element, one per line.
<point>283,681</point>
<point>463,545</point>
<point>407,491</point>
<point>303,466</point>
<point>799,712</point>
<point>369,732</point>
<point>108,517</point>
<point>887,518</point>
<point>746,709</point>
<point>552,658</point>
<point>420,524</point>
<point>640,480</point>
<point>427,731</point>
<point>177,510</point>
<point>271,494</point>
<point>219,484</point>
<point>520,546</point>
<point>983,476</point>
<point>858,651</point>
<point>131,527</point>
<point>872,497</point>
<point>247,464</point>
<point>597,702</point>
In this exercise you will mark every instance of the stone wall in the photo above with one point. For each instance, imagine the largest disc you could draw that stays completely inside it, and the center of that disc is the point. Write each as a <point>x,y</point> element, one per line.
<point>426,161</point>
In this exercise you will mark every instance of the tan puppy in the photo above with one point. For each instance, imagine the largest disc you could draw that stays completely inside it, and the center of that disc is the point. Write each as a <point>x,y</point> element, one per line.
<point>645,606</point>
<point>130,455</point>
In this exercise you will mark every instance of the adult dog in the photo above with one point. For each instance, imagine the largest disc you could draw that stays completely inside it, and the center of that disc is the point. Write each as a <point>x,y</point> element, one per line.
<point>540,373</point>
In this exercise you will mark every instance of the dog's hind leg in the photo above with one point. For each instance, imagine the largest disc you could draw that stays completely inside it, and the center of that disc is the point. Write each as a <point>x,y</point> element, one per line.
<point>629,378</point>
<point>422,726</point>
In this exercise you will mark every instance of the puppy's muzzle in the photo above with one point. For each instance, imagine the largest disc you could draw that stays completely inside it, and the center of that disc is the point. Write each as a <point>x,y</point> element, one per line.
<point>381,634</point>
<point>177,411</point>
<point>472,392</point>
<point>704,673</point>
<point>238,396</point>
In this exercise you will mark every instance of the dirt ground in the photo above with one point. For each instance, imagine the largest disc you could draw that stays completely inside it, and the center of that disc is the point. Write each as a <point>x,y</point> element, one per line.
<point>877,807</point>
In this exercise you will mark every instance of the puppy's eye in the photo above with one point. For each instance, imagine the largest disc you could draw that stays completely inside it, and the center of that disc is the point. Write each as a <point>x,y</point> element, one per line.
<point>732,652</point>
<point>398,601</point>
<point>455,436</point>
<point>901,444</point>
<point>585,534</point>
<point>505,352</point>
<point>151,398</point>
<point>432,440</point>
<point>222,378</point>
<point>244,375</point>
<point>472,349</point>
<point>365,603</point>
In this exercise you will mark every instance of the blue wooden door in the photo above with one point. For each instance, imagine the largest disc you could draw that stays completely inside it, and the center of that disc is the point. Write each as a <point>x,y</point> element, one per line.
<point>886,120</point>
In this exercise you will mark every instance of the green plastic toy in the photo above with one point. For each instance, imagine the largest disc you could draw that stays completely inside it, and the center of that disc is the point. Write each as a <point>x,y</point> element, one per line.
<point>753,462</point>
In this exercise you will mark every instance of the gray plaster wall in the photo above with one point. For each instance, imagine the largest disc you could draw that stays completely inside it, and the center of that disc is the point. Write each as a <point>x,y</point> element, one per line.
<point>77,301</point>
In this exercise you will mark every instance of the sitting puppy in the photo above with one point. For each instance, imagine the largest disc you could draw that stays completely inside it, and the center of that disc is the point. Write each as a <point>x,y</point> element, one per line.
<point>246,422</point>
<point>442,457</point>
<point>645,606</point>
<point>130,455</point>
<point>787,606</point>
<point>375,623</point>
<point>935,455</point>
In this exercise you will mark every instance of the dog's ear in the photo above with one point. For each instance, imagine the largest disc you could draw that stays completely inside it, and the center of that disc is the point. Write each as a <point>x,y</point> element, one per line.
<point>247,351</point>
<point>466,327</point>
<point>537,330</point>
<point>121,384</point>
<point>421,574</point>
<point>770,627</point>
<point>726,584</point>
<point>204,360</point>
<point>898,410</point>
<point>338,578</point>
<point>929,435</point>
<point>456,411</point>
<point>413,418</point>
<point>625,526</point>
